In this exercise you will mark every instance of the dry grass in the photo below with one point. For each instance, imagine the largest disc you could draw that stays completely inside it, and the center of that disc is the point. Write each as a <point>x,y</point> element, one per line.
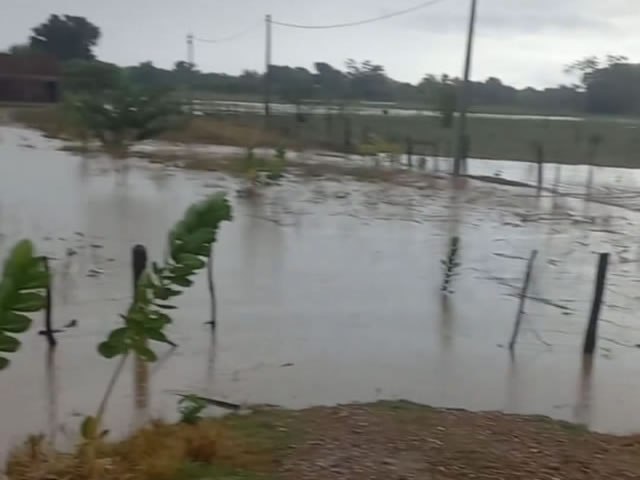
<point>158,452</point>
<point>215,131</point>
<point>377,441</point>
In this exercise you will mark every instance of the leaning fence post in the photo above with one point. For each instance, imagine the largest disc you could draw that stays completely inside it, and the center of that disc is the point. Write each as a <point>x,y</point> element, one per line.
<point>139,264</point>
<point>48,326</point>
<point>450,265</point>
<point>212,292</point>
<point>539,150</point>
<point>523,297</point>
<point>592,329</point>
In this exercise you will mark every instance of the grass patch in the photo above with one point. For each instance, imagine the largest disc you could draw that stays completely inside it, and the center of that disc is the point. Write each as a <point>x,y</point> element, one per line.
<point>235,447</point>
<point>227,131</point>
<point>566,142</point>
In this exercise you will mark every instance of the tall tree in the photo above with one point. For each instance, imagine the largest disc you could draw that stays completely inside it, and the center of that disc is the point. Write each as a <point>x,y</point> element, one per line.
<point>66,37</point>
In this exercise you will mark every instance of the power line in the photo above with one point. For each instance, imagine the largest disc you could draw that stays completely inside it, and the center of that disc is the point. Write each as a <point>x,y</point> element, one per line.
<point>230,38</point>
<point>361,22</point>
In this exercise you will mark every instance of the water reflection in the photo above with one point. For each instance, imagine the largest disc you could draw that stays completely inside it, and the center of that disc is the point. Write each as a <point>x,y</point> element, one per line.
<point>52,393</point>
<point>582,411</point>
<point>211,364</point>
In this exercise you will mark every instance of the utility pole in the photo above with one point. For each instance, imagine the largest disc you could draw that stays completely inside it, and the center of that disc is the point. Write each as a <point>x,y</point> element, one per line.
<point>463,98</point>
<point>191,62</point>
<point>267,70</point>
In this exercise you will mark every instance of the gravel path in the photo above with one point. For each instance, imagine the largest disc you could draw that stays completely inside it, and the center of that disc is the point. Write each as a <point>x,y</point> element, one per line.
<point>397,441</point>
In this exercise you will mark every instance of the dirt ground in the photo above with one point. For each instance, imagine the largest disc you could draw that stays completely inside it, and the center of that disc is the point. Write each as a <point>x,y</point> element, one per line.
<point>406,441</point>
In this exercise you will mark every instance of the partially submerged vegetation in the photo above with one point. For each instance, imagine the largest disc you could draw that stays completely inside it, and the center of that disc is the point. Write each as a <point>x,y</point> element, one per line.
<point>563,141</point>
<point>394,439</point>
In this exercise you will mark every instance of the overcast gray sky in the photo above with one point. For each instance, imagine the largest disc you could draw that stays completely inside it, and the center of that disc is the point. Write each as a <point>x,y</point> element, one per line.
<point>524,42</point>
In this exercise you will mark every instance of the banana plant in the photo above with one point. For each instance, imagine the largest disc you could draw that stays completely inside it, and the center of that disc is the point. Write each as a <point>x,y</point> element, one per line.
<point>22,286</point>
<point>189,246</point>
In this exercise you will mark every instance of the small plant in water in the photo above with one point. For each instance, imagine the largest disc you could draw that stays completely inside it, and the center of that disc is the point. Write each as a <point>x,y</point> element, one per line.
<point>276,167</point>
<point>190,408</point>
<point>451,265</point>
<point>189,246</point>
<point>22,291</point>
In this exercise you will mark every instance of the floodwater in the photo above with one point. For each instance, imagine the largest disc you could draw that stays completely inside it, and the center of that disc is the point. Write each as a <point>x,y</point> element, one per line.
<point>328,292</point>
<point>227,106</point>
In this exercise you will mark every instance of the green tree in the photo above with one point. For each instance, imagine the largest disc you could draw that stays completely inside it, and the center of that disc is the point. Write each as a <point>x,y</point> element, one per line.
<point>66,37</point>
<point>125,115</point>
<point>90,76</point>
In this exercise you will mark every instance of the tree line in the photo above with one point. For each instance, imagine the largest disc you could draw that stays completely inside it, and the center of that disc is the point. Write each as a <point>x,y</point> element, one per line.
<point>604,86</point>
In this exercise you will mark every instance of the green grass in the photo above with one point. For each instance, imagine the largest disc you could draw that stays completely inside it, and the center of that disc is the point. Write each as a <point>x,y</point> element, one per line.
<point>270,429</point>
<point>566,142</point>
<point>492,138</point>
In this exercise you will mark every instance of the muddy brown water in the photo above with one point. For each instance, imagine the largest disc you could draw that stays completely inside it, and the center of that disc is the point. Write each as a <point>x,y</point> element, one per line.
<point>328,293</point>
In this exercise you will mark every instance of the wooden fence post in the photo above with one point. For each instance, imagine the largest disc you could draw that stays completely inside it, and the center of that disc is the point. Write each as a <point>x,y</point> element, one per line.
<point>592,328</point>
<point>523,297</point>
<point>139,264</point>
<point>539,149</point>
<point>212,291</point>
<point>48,331</point>
<point>450,265</point>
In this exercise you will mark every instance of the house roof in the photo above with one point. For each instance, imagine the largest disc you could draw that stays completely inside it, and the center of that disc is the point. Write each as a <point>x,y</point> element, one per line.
<point>33,65</point>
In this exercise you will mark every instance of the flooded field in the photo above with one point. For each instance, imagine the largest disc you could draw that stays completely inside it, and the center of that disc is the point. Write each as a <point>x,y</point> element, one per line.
<point>328,292</point>
<point>227,106</point>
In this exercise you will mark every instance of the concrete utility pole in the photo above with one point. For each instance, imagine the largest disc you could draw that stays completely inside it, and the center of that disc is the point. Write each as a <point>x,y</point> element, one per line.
<point>463,98</point>
<point>191,62</point>
<point>267,69</point>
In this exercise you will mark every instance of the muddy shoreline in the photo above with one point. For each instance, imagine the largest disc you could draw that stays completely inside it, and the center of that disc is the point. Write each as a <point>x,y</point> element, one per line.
<point>382,440</point>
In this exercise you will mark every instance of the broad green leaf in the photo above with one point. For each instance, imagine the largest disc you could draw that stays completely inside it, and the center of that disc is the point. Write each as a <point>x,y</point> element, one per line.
<point>21,255</point>
<point>157,320</point>
<point>7,293</point>
<point>28,302</point>
<point>164,306</point>
<point>145,353</point>
<point>191,261</point>
<point>4,363</point>
<point>118,336</point>
<point>111,350</point>
<point>202,236</point>
<point>8,344</point>
<point>11,322</point>
<point>156,335</point>
<point>180,271</point>
<point>89,428</point>
<point>182,281</point>
<point>165,293</point>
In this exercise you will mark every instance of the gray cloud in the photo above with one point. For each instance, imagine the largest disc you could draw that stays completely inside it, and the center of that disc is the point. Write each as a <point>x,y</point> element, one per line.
<point>521,41</point>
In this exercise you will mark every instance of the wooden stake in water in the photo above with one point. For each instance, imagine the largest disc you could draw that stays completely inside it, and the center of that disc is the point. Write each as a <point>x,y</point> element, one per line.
<point>592,328</point>
<point>450,265</point>
<point>409,152</point>
<point>523,297</point>
<point>48,331</point>
<point>212,292</point>
<point>139,264</point>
